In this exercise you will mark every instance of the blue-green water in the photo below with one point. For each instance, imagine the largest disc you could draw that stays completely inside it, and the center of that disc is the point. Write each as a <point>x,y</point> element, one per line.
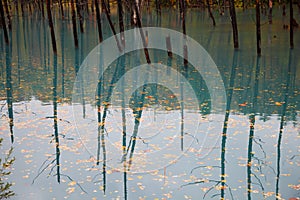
<point>252,152</point>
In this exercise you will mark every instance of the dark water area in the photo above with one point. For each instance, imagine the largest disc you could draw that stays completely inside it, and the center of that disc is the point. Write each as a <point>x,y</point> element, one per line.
<point>163,143</point>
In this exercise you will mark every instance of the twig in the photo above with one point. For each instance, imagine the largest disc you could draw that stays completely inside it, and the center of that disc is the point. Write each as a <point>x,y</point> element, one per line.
<point>41,171</point>
<point>259,182</point>
<point>260,146</point>
<point>210,189</point>
<point>203,166</point>
<point>75,182</point>
<point>198,182</point>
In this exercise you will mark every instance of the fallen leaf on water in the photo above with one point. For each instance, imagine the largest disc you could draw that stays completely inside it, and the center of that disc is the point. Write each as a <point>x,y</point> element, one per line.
<point>72,183</point>
<point>70,190</point>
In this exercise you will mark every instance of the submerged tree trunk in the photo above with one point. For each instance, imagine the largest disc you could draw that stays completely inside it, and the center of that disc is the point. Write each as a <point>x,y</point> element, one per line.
<point>108,6</point>
<point>210,13</point>
<point>182,14</point>
<point>180,6</point>
<point>258,34</point>
<point>7,14</point>
<point>139,23</point>
<point>74,24</point>
<point>61,9</point>
<point>234,24</point>
<point>51,27</point>
<point>98,21</point>
<point>270,11</point>
<point>157,7</point>
<point>291,25</point>
<point>111,24</point>
<point>3,23</point>
<point>42,8</point>
<point>121,22</point>
<point>22,9</point>
<point>78,8</point>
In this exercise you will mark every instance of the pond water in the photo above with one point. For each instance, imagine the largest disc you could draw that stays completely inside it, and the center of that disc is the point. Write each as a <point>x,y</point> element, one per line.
<point>163,138</point>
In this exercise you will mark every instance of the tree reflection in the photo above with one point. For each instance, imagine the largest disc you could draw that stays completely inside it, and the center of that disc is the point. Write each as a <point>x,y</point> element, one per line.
<point>252,125</point>
<point>9,99</point>
<point>225,125</point>
<point>282,123</point>
<point>57,149</point>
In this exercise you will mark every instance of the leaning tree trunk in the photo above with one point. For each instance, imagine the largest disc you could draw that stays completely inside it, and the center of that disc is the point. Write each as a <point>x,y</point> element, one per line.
<point>234,24</point>
<point>210,13</point>
<point>258,34</point>
<point>3,23</point>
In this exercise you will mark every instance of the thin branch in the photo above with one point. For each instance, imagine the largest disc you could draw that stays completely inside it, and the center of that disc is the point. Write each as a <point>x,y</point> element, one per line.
<point>41,171</point>
<point>204,166</point>
<point>260,146</point>
<point>75,182</point>
<point>212,187</point>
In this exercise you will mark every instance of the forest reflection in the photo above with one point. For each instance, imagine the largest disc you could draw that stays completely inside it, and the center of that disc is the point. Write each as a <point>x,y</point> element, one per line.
<point>257,155</point>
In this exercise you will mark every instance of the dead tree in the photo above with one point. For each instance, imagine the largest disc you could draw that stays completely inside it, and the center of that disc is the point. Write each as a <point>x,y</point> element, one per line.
<point>234,24</point>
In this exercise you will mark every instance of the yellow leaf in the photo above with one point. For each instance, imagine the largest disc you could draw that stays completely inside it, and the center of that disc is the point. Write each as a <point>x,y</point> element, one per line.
<point>72,183</point>
<point>70,190</point>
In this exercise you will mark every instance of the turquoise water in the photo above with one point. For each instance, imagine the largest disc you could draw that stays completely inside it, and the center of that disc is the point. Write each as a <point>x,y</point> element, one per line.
<point>180,151</point>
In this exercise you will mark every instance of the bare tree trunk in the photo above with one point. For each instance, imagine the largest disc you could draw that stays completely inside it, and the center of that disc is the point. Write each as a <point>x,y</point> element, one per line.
<point>182,5</point>
<point>74,24</point>
<point>270,11</point>
<point>29,8</point>
<point>22,9</point>
<point>17,8</point>
<point>291,25</point>
<point>61,9</point>
<point>3,23</point>
<point>108,6</point>
<point>78,8</point>
<point>258,33</point>
<point>111,24</point>
<point>210,13</point>
<point>51,27</point>
<point>139,23</point>
<point>42,8</point>
<point>234,24</point>
<point>157,7</point>
<point>169,47</point>
<point>121,23</point>
<point>98,21</point>
<point>7,14</point>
